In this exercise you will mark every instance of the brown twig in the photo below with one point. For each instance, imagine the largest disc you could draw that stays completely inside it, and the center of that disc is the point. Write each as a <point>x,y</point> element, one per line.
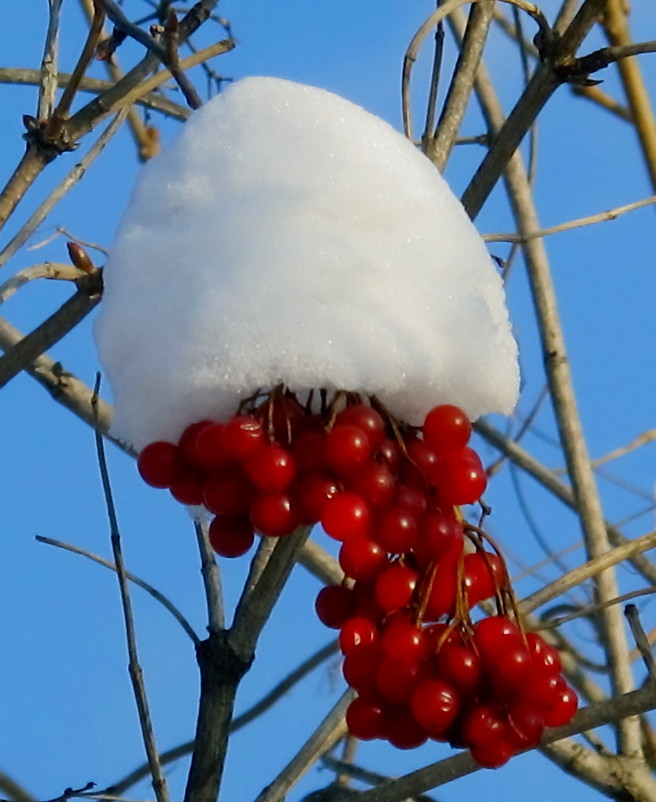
<point>51,330</point>
<point>152,591</point>
<point>75,175</point>
<point>48,72</point>
<point>135,671</point>
<point>632,616</point>
<point>324,737</point>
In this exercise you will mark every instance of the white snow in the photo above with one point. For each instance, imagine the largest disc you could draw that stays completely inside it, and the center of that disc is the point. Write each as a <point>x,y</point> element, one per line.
<point>289,235</point>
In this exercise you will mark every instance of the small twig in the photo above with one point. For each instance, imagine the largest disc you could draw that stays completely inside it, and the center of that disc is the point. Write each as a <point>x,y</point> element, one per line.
<point>51,330</point>
<point>365,775</point>
<point>136,674</point>
<point>160,597</point>
<point>44,209</point>
<point>23,76</point>
<point>49,270</point>
<point>460,89</point>
<point>64,105</point>
<point>433,20</point>
<point>256,604</point>
<point>598,96</point>
<point>48,72</point>
<point>601,217</point>
<point>325,736</point>
<point>211,580</point>
<point>589,569</point>
<point>260,707</point>
<point>631,613</point>
<point>589,610</point>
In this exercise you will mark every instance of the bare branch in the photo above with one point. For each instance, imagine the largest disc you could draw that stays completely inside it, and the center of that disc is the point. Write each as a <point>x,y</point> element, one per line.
<point>35,220</point>
<point>601,217</point>
<point>329,731</point>
<point>211,580</point>
<point>48,73</point>
<point>160,597</point>
<point>136,674</point>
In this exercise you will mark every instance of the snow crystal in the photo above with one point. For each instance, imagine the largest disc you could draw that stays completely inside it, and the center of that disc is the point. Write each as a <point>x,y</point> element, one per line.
<point>289,235</point>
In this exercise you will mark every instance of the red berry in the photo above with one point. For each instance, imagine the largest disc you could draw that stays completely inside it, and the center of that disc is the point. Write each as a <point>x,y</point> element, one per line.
<point>446,428</point>
<point>361,558</point>
<point>402,637</point>
<point>397,677</point>
<point>509,668</point>
<point>208,450</point>
<point>438,534</point>
<point>273,514</point>
<point>412,499</point>
<point>281,416</point>
<point>390,454</point>
<point>345,516</point>
<point>312,492</point>
<point>542,688</point>
<point>309,451</point>
<point>374,484</point>
<point>542,652</point>
<point>524,727</point>
<point>482,726</point>
<point>403,731</point>
<point>243,435</point>
<point>231,537</point>
<point>365,719</point>
<point>159,464</point>
<point>563,710</point>
<point>187,443</point>
<point>347,450</point>
<point>491,634</point>
<point>463,480</point>
<point>493,755</point>
<point>270,468</point>
<point>227,492</point>
<point>394,587</point>
<point>422,465</point>
<point>357,632</point>
<point>359,669</point>
<point>434,705</point>
<point>335,604</point>
<point>459,666</point>
<point>188,489</point>
<point>367,420</point>
<point>484,574</point>
<point>395,529</point>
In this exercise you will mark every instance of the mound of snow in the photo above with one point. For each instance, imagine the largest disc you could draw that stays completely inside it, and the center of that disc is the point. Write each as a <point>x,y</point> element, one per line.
<point>289,235</point>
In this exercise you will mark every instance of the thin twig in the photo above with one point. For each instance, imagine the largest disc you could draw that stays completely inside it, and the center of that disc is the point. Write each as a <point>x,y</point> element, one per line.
<point>461,85</point>
<point>48,73</point>
<point>585,612</point>
<point>136,674</point>
<point>93,37</point>
<point>211,580</point>
<point>592,567</point>
<point>601,217</point>
<point>49,270</point>
<point>51,330</point>
<point>325,736</point>
<point>160,597</point>
<point>240,721</point>
<point>365,775</point>
<point>14,790</point>
<point>632,616</point>
<point>44,209</point>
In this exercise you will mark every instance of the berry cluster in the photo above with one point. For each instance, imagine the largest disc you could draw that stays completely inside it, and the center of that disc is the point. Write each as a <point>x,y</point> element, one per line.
<point>390,493</point>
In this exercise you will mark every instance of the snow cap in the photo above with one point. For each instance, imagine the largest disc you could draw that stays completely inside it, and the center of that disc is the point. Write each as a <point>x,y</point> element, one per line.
<point>287,235</point>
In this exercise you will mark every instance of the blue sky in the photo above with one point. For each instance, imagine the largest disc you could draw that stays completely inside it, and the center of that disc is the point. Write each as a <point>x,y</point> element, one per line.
<point>67,710</point>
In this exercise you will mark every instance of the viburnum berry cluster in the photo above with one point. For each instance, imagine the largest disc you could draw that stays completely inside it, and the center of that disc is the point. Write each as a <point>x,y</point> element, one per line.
<point>390,493</point>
